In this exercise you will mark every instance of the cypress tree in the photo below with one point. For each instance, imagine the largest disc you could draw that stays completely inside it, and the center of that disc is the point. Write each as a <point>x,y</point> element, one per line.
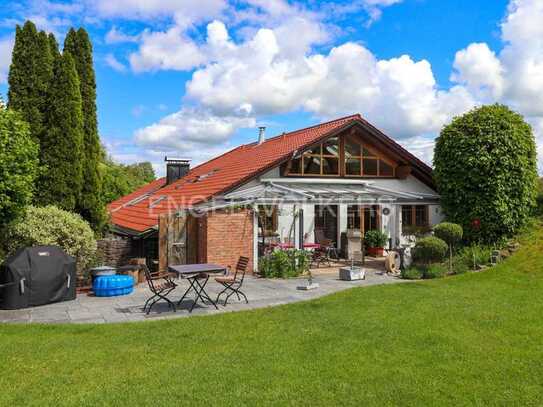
<point>30,75</point>
<point>60,183</point>
<point>90,205</point>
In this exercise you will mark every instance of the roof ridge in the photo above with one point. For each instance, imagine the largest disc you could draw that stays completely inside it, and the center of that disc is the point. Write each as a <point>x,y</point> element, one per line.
<point>351,116</point>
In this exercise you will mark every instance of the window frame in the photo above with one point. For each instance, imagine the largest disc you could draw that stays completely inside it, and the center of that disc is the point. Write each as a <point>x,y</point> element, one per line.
<point>366,152</point>
<point>413,210</point>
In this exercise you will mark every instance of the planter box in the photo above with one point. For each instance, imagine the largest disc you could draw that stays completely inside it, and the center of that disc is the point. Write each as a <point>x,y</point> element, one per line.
<point>351,274</point>
<point>375,251</point>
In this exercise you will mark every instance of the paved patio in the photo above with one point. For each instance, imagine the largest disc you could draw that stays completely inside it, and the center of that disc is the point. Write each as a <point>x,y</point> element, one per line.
<point>260,293</point>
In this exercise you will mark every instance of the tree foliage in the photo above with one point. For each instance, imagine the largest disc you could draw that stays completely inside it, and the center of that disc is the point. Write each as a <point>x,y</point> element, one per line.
<point>60,183</point>
<point>429,250</point>
<point>18,166</point>
<point>30,75</point>
<point>485,170</point>
<point>120,179</point>
<point>90,206</point>
<point>53,226</point>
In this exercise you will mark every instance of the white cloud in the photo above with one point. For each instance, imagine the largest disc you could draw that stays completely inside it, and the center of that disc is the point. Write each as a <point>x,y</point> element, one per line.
<point>184,12</point>
<point>191,130</point>
<point>374,8</point>
<point>522,56</point>
<point>480,70</point>
<point>399,95</point>
<point>166,50</point>
<point>6,46</point>
<point>266,72</point>
<point>116,36</point>
<point>114,63</point>
<point>421,146</point>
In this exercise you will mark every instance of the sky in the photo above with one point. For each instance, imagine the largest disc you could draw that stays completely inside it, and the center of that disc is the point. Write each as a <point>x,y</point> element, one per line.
<point>192,79</point>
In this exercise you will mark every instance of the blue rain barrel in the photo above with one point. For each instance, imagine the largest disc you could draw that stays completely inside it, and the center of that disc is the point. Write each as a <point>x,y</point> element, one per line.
<point>111,286</point>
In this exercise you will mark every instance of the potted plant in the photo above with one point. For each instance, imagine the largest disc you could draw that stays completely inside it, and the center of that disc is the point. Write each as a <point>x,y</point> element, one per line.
<point>374,241</point>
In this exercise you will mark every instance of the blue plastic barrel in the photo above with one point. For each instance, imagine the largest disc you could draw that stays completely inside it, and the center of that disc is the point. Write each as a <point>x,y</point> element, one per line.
<point>111,286</point>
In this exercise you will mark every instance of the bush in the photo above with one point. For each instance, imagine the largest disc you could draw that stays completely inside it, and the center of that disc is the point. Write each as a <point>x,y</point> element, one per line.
<point>461,264</point>
<point>539,199</point>
<point>486,171</point>
<point>18,166</point>
<point>412,273</point>
<point>435,271</point>
<point>53,226</point>
<point>429,250</point>
<point>284,264</point>
<point>375,238</point>
<point>470,257</point>
<point>451,233</point>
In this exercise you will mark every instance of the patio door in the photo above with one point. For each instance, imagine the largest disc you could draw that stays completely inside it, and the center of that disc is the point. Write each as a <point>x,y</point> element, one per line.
<point>363,217</point>
<point>326,222</point>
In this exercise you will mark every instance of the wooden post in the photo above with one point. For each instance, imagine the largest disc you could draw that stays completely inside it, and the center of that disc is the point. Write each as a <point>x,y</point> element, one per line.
<point>163,243</point>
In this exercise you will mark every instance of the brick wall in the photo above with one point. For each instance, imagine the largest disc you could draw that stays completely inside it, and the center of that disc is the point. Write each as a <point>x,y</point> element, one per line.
<point>224,236</point>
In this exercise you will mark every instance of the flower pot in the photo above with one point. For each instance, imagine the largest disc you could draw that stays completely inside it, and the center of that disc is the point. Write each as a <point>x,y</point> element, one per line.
<point>375,251</point>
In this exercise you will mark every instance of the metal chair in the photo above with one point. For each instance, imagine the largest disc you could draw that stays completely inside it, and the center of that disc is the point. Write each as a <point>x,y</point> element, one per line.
<point>327,244</point>
<point>161,285</point>
<point>232,283</point>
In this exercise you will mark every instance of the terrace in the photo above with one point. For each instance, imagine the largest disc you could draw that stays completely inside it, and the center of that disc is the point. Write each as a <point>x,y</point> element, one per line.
<point>260,292</point>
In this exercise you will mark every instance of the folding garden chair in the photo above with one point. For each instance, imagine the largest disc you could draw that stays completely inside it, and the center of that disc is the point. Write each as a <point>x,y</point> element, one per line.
<point>160,284</point>
<point>232,282</point>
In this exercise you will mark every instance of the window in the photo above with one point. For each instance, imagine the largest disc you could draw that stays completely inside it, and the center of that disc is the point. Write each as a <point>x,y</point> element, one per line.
<point>319,160</point>
<point>415,215</point>
<point>267,219</point>
<point>353,217</point>
<point>361,161</point>
<point>366,216</point>
<point>357,160</point>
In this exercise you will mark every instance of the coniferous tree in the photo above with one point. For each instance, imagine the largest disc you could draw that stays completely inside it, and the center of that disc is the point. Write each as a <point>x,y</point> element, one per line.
<point>60,183</point>
<point>90,205</point>
<point>29,76</point>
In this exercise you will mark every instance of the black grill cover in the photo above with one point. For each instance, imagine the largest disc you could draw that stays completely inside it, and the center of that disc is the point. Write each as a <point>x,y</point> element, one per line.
<point>35,276</point>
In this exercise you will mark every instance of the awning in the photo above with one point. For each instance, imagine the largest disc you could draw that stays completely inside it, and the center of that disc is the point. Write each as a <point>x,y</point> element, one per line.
<point>317,191</point>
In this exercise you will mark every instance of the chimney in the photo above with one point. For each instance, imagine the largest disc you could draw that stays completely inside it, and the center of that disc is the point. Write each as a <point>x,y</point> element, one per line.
<point>261,134</point>
<point>176,168</point>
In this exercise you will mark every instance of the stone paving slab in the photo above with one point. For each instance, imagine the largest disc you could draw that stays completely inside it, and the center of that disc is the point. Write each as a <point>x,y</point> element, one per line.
<point>260,292</point>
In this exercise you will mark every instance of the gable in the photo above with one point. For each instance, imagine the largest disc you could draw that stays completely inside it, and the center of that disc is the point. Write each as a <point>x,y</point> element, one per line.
<point>358,151</point>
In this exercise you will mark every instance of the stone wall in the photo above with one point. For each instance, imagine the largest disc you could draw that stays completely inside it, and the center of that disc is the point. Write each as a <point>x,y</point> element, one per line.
<point>115,251</point>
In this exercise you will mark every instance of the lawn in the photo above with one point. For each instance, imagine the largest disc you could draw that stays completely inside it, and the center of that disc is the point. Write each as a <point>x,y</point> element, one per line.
<point>469,339</point>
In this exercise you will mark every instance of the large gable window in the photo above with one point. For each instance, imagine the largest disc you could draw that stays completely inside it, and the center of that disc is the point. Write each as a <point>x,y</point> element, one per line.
<point>345,156</point>
<point>363,161</point>
<point>319,160</point>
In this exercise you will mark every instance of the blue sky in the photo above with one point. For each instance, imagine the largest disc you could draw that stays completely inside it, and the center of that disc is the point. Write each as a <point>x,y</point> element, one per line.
<point>193,78</point>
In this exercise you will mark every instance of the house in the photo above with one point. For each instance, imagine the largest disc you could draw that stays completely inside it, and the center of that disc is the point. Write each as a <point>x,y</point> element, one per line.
<point>336,176</point>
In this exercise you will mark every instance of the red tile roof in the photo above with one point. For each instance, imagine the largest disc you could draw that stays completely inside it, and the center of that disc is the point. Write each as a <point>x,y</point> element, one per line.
<point>139,211</point>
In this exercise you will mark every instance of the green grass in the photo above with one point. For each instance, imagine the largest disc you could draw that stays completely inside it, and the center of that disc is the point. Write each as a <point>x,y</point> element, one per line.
<point>468,339</point>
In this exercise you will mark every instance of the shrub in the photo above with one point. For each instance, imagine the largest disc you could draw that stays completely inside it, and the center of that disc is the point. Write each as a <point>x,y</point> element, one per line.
<point>485,170</point>
<point>412,273</point>
<point>375,238</point>
<point>539,199</point>
<point>284,264</point>
<point>461,264</point>
<point>470,257</point>
<point>435,271</point>
<point>53,226</point>
<point>451,233</point>
<point>18,166</point>
<point>429,250</point>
